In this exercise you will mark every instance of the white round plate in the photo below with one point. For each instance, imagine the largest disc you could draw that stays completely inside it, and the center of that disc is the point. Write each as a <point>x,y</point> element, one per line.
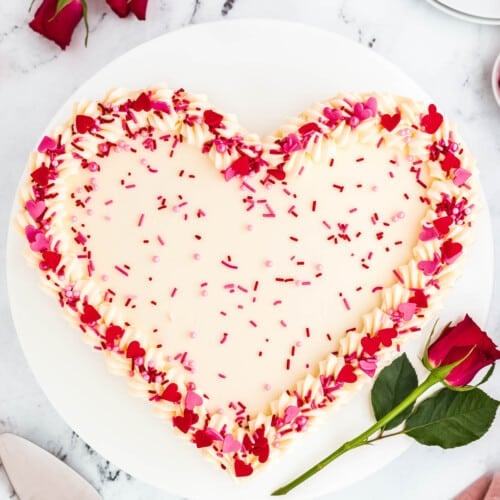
<point>264,71</point>
<point>476,11</point>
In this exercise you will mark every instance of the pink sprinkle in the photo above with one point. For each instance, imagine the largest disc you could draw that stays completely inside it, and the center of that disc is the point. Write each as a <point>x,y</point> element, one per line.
<point>298,283</point>
<point>224,338</point>
<point>204,293</point>
<point>298,343</point>
<point>249,227</point>
<point>156,258</point>
<point>144,162</point>
<point>401,215</point>
<point>269,263</point>
<point>346,303</point>
<point>104,277</point>
<point>108,202</point>
<point>267,387</point>
<point>141,218</point>
<point>90,211</point>
<point>160,240</point>
<point>130,186</point>
<point>374,189</point>
<point>227,264</point>
<point>196,256</point>
<point>319,267</point>
<point>120,270</point>
<point>192,335</point>
<point>174,291</point>
<point>282,323</point>
<point>221,375</point>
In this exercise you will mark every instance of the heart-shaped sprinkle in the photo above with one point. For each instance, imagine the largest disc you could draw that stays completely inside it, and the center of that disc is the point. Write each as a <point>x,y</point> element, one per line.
<point>370,345</point>
<point>172,394</point>
<point>39,242</point>
<point>31,233</point>
<point>142,103</point>
<point>362,112</point>
<point>386,335</point>
<point>202,439</point>
<point>230,445</point>
<point>212,119</point>
<point>113,333</point>
<point>369,366</point>
<point>185,421</point>
<point>443,224</point>
<point>161,106</point>
<point>461,176</point>
<point>35,208</point>
<point>347,374</point>
<point>390,122</point>
<point>89,315</point>
<point>193,399</point>
<point>50,260</point>
<point>428,233</point>
<point>41,176</point>
<point>431,121</point>
<point>242,469</point>
<point>290,413</point>
<point>449,162</point>
<point>134,350</point>
<point>450,250</point>
<point>407,309</point>
<point>429,266</point>
<point>47,144</point>
<point>84,124</point>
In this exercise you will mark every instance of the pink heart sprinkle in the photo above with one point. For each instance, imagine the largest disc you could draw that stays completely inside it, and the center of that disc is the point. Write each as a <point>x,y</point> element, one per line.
<point>407,309</point>
<point>193,399</point>
<point>46,144</point>
<point>40,243</point>
<point>361,112</point>
<point>290,413</point>
<point>35,208</point>
<point>427,234</point>
<point>461,176</point>
<point>372,104</point>
<point>230,445</point>
<point>427,266</point>
<point>31,232</point>
<point>369,366</point>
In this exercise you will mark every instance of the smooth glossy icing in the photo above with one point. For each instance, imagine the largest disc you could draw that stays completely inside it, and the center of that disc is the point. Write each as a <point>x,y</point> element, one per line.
<point>242,299</point>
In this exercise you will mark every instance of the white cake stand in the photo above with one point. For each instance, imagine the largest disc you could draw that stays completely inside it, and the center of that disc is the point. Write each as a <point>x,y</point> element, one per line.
<point>264,71</point>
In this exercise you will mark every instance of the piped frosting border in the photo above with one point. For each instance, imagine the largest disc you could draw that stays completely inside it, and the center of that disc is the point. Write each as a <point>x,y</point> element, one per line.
<point>240,446</point>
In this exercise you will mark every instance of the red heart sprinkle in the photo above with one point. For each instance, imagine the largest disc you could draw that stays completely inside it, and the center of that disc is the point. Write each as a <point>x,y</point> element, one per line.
<point>419,298</point>
<point>240,167</point>
<point>212,119</point>
<point>261,449</point>
<point>184,422</point>
<point>443,224</point>
<point>241,469</point>
<point>41,176</point>
<point>450,250</point>
<point>309,128</point>
<point>142,103</point>
<point>51,259</point>
<point>134,350</point>
<point>449,162</point>
<point>390,122</point>
<point>202,439</point>
<point>171,393</point>
<point>347,374</point>
<point>84,124</point>
<point>386,335</point>
<point>277,173</point>
<point>370,344</point>
<point>89,315</point>
<point>113,333</point>
<point>432,121</point>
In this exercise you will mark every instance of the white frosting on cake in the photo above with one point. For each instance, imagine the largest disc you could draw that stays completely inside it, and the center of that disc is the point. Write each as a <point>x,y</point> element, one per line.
<point>253,293</point>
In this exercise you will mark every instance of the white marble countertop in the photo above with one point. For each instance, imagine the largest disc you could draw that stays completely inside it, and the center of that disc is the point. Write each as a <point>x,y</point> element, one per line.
<point>449,58</point>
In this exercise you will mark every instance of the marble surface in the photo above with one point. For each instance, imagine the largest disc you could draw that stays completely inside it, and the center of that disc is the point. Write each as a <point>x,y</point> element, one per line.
<point>449,58</point>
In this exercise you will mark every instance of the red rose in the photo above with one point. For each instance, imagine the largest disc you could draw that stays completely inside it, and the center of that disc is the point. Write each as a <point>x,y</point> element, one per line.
<point>123,7</point>
<point>58,28</point>
<point>458,341</point>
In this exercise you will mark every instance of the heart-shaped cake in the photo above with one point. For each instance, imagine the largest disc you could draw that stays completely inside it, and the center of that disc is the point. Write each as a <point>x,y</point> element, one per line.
<point>244,286</point>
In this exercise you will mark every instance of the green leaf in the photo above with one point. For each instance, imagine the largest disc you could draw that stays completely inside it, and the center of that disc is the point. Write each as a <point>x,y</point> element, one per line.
<point>393,384</point>
<point>85,20</point>
<point>450,419</point>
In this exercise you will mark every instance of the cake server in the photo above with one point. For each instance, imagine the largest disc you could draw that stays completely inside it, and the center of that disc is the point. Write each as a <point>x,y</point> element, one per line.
<point>37,475</point>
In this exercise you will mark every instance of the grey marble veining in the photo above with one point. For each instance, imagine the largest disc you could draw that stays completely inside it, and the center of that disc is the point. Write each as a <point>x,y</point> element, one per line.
<point>449,58</point>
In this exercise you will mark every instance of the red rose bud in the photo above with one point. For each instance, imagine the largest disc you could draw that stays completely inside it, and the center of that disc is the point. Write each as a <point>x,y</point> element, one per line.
<point>58,28</point>
<point>463,340</point>
<point>123,7</point>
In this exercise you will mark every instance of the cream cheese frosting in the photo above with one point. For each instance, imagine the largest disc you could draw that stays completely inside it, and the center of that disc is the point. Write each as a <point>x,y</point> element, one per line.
<point>243,285</point>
